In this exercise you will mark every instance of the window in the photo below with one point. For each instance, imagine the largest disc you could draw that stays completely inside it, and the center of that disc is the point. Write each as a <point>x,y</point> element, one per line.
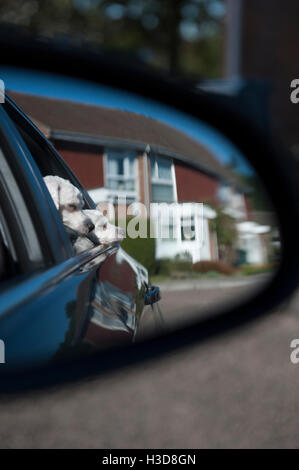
<point>121,170</point>
<point>168,232</point>
<point>162,179</point>
<point>188,229</point>
<point>20,250</point>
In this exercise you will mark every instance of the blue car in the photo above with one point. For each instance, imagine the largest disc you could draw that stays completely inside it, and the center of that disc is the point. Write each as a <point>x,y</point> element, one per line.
<point>54,303</point>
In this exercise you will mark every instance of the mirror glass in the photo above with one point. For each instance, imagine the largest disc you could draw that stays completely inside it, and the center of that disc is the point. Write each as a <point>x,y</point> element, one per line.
<point>197,221</point>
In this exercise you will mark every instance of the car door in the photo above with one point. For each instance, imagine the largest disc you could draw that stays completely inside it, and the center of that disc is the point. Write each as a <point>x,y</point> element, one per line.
<point>56,303</point>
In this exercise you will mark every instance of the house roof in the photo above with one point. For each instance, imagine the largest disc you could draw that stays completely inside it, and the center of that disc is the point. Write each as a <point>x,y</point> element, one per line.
<point>64,119</point>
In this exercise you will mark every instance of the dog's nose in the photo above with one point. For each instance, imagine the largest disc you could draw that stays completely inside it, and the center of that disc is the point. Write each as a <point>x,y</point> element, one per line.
<point>90,226</point>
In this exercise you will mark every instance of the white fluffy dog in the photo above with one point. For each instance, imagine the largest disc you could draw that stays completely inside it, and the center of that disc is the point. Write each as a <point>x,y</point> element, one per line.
<point>104,232</point>
<point>69,202</point>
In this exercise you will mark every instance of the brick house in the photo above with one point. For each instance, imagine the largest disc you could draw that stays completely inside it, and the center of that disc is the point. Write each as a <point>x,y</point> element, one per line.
<point>120,153</point>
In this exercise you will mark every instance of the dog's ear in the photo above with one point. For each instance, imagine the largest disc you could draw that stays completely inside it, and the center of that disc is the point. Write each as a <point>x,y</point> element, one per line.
<point>53,188</point>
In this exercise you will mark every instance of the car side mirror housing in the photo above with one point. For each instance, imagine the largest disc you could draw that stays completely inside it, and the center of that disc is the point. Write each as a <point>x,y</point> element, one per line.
<point>205,197</point>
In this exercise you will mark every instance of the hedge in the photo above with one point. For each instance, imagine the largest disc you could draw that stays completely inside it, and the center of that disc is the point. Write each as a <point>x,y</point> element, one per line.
<point>167,266</point>
<point>218,266</point>
<point>142,250</point>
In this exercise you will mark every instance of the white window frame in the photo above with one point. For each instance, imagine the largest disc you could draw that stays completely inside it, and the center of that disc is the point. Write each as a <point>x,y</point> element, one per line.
<point>189,222</point>
<point>163,181</point>
<point>112,193</point>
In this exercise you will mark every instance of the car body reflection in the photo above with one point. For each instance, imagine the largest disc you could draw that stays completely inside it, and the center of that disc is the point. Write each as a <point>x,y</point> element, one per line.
<point>118,299</point>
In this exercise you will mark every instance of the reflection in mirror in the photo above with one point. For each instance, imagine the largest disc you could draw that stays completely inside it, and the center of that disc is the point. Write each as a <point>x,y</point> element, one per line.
<point>198,222</point>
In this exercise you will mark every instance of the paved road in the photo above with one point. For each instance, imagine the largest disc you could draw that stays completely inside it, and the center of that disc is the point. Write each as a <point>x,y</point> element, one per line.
<point>187,300</point>
<point>237,391</point>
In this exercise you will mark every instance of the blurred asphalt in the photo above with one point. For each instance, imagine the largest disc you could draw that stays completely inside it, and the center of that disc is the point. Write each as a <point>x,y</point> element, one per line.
<point>240,390</point>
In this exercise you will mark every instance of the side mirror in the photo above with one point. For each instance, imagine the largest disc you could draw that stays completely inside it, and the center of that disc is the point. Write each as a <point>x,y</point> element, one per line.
<point>192,181</point>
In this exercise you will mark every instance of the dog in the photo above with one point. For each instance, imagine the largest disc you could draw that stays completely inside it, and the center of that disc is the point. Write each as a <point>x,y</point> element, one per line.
<point>105,233</point>
<point>69,202</point>
<point>86,228</point>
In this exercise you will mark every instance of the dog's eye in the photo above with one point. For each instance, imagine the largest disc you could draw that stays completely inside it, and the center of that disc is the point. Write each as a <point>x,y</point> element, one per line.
<point>72,207</point>
<point>105,226</point>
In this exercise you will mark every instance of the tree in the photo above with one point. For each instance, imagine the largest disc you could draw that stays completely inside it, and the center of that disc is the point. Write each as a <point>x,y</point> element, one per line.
<point>226,230</point>
<point>180,36</point>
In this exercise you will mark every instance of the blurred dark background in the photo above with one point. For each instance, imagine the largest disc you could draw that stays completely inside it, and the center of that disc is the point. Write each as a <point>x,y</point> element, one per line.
<point>246,48</point>
<point>180,36</point>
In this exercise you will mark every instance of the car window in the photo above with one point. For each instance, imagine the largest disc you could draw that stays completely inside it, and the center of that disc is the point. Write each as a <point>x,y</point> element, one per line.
<point>8,258</point>
<point>45,159</point>
<point>43,152</point>
<point>20,250</point>
<point>48,162</point>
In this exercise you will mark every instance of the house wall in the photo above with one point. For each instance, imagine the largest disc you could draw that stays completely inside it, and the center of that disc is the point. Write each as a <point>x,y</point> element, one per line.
<point>193,185</point>
<point>254,246</point>
<point>88,165</point>
<point>85,161</point>
<point>200,248</point>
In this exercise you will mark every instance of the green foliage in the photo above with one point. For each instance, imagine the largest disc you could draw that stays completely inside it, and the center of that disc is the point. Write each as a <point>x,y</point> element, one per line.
<point>226,231</point>
<point>248,269</point>
<point>167,266</point>
<point>225,227</point>
<point>163,267</point>
<point>259,199</point>
<point>141,249</point>
<point>180,36</point>
<point>203,57</point>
